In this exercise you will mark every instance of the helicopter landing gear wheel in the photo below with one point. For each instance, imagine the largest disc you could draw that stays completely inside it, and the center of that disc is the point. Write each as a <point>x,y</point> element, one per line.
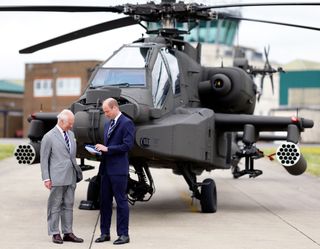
<point>94,191</point>
<point>92,202</point>
<point>208,197</point>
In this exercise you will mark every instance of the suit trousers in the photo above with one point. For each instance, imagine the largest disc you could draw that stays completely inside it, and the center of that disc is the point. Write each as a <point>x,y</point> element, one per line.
<point>60,207</point>
<point>114,186</point>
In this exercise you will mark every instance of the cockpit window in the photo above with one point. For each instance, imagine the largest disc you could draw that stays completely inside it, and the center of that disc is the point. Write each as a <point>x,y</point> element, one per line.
<point>160,82</point>
<point>129,57</point>
<point>174,71</point>
<point>121,77</point>
<point>165,75</point>
<point>126,68</point>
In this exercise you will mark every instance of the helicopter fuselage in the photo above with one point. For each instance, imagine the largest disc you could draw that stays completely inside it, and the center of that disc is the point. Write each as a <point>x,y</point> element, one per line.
<point>171,99</point>
<point>187,117</point>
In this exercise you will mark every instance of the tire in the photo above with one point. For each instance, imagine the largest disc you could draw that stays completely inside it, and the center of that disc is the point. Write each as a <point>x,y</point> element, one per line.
<point>208,198</point>
<point>94,191</point>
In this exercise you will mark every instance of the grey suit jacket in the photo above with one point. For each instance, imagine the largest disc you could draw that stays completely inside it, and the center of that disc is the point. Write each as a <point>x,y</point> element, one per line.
<point>57,164</point>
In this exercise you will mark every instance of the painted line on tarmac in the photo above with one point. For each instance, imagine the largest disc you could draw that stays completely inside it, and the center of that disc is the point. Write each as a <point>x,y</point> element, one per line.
<point>94,231</point>
<point>193,207</point>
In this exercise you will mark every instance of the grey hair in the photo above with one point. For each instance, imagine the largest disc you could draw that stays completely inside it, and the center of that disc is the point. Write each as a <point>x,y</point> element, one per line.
<point>64,115</point>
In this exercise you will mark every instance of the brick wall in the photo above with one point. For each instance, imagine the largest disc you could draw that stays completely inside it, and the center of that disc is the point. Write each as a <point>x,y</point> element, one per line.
<point>10,114</point>
<point>52,71</point>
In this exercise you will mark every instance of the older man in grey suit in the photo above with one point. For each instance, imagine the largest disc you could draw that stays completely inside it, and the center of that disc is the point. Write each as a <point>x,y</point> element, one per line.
<point>60,173</point>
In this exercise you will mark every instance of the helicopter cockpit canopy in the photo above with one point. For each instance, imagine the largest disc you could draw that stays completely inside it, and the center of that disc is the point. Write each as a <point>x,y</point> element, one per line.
<point>132,67</point>
<point>125,68</point>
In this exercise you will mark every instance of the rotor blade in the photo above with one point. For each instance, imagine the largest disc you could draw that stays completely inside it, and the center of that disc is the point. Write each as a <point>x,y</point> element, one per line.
<point>105,26</point>
<point>52,8</point>
<point>231,17</point>
<point>272,84</point>
<point>257,5</point>
<point>266,54</point>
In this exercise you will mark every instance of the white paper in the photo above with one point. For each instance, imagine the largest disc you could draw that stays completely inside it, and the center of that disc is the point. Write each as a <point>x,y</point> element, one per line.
<point>91,149</point>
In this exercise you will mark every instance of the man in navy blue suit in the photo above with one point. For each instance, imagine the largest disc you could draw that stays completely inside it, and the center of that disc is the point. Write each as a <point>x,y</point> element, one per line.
<point>114,169</point>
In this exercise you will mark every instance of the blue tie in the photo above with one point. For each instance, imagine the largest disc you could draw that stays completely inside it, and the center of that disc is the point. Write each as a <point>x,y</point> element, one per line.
<point>111,127</point>
<point>67,140</point>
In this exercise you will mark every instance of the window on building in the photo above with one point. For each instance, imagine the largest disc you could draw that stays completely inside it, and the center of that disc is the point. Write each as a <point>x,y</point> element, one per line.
<point>68,86</point>
<point>304,97</point>
<point>42,88</point>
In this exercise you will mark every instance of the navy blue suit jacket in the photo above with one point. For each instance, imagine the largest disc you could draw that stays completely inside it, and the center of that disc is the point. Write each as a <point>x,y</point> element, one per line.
<point>121,140</point>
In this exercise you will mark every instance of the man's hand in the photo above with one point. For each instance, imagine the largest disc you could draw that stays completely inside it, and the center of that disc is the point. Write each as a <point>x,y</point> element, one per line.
<point>48,184</point>
<point>101,147</point>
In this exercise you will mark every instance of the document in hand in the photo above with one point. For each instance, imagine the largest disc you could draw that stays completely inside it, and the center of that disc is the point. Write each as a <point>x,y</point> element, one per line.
<point>92,149</point>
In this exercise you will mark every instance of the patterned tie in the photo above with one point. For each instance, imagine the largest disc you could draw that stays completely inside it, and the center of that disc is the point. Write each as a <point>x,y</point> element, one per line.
<point>67,140</point>
<point>111,127</point>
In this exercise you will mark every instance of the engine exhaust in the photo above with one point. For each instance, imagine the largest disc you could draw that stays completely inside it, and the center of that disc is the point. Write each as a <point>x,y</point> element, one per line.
<point>289,155</point>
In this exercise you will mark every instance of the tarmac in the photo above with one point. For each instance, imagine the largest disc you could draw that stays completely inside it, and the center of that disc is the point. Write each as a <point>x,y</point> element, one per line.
<point>275,210</point>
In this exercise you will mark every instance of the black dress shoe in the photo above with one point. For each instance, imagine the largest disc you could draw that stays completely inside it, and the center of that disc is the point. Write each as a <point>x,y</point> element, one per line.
<point>103,238</point>
<point>72,238</point>
<point>56,238</point>
<point>122,240</point>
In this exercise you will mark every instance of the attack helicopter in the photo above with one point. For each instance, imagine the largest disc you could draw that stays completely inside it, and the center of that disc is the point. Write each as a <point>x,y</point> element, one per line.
<point>189,118</point>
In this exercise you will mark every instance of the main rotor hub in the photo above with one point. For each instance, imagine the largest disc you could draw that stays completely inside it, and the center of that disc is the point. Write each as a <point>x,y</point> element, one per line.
<point>168,11</point>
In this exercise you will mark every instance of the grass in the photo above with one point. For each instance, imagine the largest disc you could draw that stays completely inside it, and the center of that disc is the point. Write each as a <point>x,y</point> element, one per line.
<point>311,155</point>
<point>6,150</point>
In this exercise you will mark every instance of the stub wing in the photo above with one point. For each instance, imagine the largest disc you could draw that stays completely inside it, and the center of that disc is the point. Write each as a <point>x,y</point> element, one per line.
<point>250,126</point>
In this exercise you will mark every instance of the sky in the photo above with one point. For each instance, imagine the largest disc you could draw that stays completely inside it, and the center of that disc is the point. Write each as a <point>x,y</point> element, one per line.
<point>22,29</point>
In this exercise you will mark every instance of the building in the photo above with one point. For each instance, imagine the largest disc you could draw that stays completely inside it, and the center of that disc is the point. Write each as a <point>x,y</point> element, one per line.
<point>51,87</point>
<point>11,103</point>
<point>299,93</point>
